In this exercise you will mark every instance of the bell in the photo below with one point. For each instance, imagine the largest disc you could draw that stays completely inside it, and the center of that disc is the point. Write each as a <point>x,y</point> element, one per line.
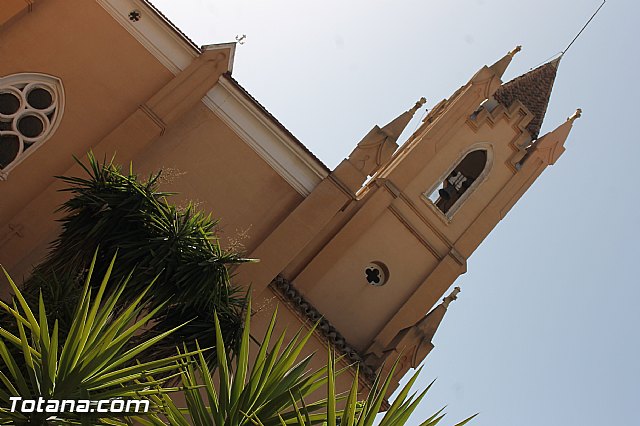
<point>447,192</point>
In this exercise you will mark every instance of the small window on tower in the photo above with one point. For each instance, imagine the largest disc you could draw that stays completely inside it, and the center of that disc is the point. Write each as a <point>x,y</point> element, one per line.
<point>376,273</point>
<point>450,191</point>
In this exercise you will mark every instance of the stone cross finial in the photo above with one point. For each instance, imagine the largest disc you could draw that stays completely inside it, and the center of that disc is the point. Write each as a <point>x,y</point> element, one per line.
<point>451,297</point>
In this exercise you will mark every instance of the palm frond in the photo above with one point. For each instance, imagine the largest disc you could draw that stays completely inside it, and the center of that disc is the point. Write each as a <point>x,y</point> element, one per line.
<point>118,212</point>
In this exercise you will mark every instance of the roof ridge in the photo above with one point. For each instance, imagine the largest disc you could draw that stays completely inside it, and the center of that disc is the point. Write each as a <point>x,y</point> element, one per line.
<point>173,26</point>
<point>274,120</point>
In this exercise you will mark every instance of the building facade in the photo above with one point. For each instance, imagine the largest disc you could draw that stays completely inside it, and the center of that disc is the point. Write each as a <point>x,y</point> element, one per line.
<point>370,249</point>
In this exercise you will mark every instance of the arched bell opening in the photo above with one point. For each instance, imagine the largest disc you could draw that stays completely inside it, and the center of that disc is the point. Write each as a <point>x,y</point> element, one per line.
<point>459,181</point>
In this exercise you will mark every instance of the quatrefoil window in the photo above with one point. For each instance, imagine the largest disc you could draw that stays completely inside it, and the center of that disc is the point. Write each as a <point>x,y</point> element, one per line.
<point>30,109</point>
<point>376,273</point>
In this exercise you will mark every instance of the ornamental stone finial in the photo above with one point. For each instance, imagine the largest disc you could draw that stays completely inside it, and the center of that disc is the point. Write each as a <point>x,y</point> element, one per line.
<point>451,297</point>
<point>502,64</point>
<point>419,104</point>
<point>514,51</point>
<point>575,115</point>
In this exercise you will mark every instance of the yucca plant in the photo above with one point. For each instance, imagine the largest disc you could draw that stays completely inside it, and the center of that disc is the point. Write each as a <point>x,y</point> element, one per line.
<point>93,361</point>
<point>277,390</point>
<point>115,210</point>
<point>243,393</point>
<point>366,412</point>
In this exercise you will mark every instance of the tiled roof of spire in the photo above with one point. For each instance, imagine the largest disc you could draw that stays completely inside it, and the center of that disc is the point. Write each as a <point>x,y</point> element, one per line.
<point>533,89</point>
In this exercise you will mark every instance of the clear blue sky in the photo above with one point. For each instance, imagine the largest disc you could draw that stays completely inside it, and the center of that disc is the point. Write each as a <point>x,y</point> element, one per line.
<point>545,329</point>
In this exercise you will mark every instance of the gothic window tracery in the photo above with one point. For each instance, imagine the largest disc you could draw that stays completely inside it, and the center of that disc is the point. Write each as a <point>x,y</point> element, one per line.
<point>376,273</point>
<point>30,109</point>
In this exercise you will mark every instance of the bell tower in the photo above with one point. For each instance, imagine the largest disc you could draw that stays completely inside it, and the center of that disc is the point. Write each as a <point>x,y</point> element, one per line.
<point>377,266</point>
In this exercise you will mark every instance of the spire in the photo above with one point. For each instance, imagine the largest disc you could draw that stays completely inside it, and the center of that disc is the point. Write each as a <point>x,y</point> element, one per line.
<point>551,146</point>
<point>501,65</point>
<point>375,149</point>
<point>414,342</point>
<point>394,129</point>
<point>533,89</point>
<point>430,323</point>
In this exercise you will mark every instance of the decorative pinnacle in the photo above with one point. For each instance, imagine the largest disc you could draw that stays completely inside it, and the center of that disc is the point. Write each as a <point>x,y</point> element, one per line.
<point>514,51</point>
<point>575,115</point>
<point>419,104</point>
<point>451,297</point>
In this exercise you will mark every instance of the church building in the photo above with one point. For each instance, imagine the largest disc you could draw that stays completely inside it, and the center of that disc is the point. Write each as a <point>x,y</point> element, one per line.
<point>371,249</point>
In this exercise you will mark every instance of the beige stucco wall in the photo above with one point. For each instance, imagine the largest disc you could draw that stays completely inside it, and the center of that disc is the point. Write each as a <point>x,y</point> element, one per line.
<point>338,289</point>
<point>213,167</point>
<point>107,75</point>
<point>408,234</point>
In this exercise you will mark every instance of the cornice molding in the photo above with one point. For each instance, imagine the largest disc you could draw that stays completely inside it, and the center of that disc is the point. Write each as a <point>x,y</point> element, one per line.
<point>153,32</point>
<point>273,145</point>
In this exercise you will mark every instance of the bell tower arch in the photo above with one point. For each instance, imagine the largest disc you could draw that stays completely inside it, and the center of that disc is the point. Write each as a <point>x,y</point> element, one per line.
<point>451,190</point>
